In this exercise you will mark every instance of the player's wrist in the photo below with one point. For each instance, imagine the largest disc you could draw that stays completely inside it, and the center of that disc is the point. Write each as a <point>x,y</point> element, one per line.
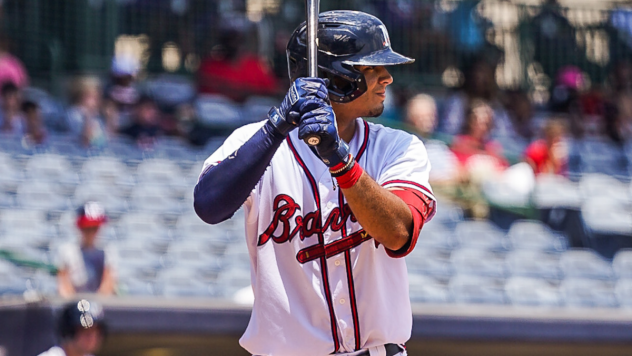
<point>348,175</point>
<point>279,122</point>
<point>338,157</point>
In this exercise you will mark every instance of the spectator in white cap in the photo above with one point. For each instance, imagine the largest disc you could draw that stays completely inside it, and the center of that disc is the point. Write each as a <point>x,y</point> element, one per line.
<point>121,94</point>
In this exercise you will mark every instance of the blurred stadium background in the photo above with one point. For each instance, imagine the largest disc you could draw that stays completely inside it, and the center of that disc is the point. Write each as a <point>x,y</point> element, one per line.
<point>544,270</point>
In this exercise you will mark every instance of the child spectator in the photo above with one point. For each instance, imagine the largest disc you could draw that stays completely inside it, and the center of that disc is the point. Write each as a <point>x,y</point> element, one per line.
<point>550,154</point>
<point>84,117</point>
<point>84,267</point>
<point>11,119</point>
<point>35,133</point>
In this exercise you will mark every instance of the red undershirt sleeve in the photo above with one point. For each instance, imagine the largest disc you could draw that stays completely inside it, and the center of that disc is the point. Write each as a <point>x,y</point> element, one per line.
<point>422,208</point>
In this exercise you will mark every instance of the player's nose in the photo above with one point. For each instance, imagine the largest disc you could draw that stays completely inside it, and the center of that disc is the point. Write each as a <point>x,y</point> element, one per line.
<point>384,77</point>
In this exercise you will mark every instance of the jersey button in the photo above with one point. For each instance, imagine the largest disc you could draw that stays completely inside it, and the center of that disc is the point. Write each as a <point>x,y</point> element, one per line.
<point>342,301</point>
<point>337,262</point>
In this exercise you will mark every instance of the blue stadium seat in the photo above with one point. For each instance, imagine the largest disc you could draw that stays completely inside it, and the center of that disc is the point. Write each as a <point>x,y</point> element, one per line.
<point>553,191</point>
<point>478,262</point>
<point>170,90</point>
<point>437,236</point>
<point>534,235</point>
<point>532,291</point>
<point>424,289</point>
<point>480,234</point>
<point>622,263</point>
<point>623,292</point>
<point>585,263</point>
<point>533,263</point>
<point>581,292</point>
<point>429,262</point>
<point>470,289</point>
<point>218,111</point>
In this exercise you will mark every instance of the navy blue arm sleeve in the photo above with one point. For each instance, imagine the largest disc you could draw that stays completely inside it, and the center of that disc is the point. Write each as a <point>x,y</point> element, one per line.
<point>225,187</point>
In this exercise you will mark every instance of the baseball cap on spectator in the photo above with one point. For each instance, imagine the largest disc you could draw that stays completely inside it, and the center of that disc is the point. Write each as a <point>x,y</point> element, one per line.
<point>570,77</point>
<point>91,214</point>
<point>124,65</point>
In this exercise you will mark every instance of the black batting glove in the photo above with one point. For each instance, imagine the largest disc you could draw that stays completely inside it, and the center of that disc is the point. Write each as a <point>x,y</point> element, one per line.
<point>332,150</point>
<point>288,115</point>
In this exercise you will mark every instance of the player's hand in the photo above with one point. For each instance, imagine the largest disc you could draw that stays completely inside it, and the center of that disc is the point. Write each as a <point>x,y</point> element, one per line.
<point>303,96</point>
<point>332,150</point>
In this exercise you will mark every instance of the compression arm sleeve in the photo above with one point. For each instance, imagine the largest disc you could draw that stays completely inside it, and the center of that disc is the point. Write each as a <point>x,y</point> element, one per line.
<point>225,187</point>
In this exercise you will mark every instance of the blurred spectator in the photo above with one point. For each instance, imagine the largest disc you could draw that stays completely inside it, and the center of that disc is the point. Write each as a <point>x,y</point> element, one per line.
<point>566,99</point>
<point>231,70</point>
<point>84,267</point>
<point>421,114</point>
<point>84,117</point>
<point>35,133</point>
<point>121,93</point>
<point>520,112</point>
<point>475,138</point>
<point>479,84</point>
<point>145,125</point>
<point>550,154</point>
<point>11,119</point>
<point>618,107</point>
<point>81,329</point>
<point>11,69</point>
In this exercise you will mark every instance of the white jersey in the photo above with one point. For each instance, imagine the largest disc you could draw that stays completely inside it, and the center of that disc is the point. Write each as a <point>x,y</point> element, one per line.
<point>55,351</point>
<point>321,285</point>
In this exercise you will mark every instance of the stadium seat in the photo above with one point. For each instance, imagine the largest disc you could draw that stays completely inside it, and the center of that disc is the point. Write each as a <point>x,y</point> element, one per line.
<point>447,214</point>
<point>476,289</point>
<point>155,199</point>
<point>605,187</point>
<point>424,289</point>
<point>11,175</point>
<point>533,263</point>
<point>41,195</point>
<point>436,236</point>
<point>52,168</point>
<point>111,197</point>
<point>480,234</point>
<point>159,171</point>
<point>553,191</point>
<point>133,257</point>
<point>218,111</point>
<point>581,292</point>
<point>256,108</point>
<point>532,291</point>
<point>622,263</point>
<point>478,262</point>
<point>429,262</point>
<point>585,263</point>
<point>623,292</point>
<point>130,285</point>
<point>170,90</point>
<point>606,216</point>
<point>107,170</point>
<point>142,226</point>
<point>179,281</point>
<point>534,235</point>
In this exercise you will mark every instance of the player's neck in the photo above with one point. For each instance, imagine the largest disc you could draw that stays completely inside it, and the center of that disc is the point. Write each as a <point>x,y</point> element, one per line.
<point>346,128</point>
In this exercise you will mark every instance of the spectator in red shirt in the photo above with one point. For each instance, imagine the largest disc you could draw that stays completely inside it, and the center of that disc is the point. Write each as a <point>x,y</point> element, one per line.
<point>550,154</point>
<point>475,138</point>
<point>233,71</point>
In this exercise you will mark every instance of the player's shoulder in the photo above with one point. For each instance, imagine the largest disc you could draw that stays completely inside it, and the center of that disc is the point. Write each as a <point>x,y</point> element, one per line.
<point>53,351</point>
<point>390,138</point>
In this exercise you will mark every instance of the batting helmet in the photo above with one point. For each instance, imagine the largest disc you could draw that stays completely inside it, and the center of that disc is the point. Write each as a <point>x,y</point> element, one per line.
<point>345,39</point>
<point>80,315</point>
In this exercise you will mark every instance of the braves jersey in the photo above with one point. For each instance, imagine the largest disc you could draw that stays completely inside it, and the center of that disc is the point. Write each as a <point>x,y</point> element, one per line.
<point>321,283</point>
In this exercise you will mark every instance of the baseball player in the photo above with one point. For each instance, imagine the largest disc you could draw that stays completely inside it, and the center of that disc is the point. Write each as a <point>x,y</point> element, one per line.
<point>81,328</point>
<point>326,226</point>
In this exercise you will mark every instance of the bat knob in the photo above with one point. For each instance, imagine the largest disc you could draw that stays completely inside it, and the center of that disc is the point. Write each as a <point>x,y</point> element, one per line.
<point>312,140</point>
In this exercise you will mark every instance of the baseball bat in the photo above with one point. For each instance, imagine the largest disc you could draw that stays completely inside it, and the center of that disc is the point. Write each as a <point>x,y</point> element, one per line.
<point>312,10</point>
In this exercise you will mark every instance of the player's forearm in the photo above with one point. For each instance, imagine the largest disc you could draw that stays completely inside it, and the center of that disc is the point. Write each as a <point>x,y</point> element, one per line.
<point>225,187</point>
<point>64,285</point>
<point>381,213</point>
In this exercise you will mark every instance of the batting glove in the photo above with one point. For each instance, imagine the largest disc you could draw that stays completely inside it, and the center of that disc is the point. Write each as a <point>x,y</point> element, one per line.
<point>287,117</point>
<point>332,150</point>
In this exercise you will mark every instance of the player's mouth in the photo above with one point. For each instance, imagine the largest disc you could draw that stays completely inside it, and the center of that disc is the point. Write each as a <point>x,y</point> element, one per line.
<point>381,94</point>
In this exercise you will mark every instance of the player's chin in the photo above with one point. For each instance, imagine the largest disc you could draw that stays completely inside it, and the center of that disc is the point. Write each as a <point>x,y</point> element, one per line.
<point>376,111</point>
